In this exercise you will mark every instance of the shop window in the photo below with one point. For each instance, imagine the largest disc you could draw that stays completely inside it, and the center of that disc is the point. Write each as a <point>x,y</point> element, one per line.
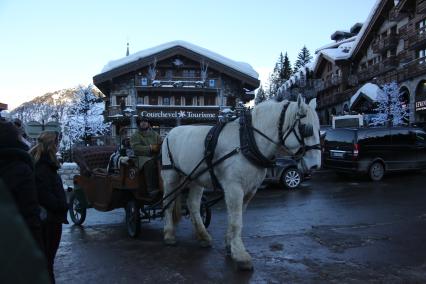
<point>178,100</point>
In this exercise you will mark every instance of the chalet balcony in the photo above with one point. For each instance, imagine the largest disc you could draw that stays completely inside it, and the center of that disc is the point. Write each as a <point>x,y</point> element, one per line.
<point>388,64</point>
<point>113,111</point>
<point>421,6</point>
<point>176,82</point>
<point>334,81</point>
<point>416,38</point>
<point>415,67</point>
<point>386,43</point>
<point>369,73</point>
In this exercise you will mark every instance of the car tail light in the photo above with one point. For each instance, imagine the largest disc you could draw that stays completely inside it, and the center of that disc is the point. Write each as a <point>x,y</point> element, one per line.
<point>356,150</point>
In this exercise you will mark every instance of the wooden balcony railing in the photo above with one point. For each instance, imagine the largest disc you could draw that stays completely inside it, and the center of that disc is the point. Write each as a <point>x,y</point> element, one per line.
<point>416,67</point>
<point>386,43</point>
<point>388,64</point>
<point>369,73</point>
<point>414,37</point>
<point>113,110</point>
<point>421,6</point>
<point>177,82</point>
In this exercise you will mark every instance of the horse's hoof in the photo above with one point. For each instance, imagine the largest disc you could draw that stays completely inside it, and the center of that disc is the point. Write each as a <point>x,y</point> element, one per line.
<point>205,244</point>
<point>170,242</point>
<point>244,265</point>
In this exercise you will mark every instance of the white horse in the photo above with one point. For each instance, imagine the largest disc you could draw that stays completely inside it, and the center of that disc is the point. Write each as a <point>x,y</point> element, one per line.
<point>239,177</point>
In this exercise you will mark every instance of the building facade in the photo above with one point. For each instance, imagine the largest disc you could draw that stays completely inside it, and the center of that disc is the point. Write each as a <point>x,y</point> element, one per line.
<point>389,46</point>
<point>172,84</point>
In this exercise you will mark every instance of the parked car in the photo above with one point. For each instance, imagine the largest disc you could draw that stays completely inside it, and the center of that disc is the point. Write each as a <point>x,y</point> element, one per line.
<point>286,173</point>
<point>375,151</point>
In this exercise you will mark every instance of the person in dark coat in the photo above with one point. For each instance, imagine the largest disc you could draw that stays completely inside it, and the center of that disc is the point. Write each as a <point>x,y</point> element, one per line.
<point>17,172</point>
<point>51,193</point>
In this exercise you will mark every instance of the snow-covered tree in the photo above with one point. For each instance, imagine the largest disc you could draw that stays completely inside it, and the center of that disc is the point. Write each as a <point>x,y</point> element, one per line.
<point>84,118</point>
<point>303,58</point>
<point>260,96</point>
<point>390,110</point>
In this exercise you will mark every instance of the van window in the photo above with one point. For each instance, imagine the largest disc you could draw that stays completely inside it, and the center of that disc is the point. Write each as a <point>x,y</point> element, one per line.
<point>401,137</point>
<point>341,135</point>
<point>374,137</point>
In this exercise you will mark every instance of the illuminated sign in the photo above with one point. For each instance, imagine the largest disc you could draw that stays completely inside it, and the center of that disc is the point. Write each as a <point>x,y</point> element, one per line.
<point>181,114</point>
<point>421,105</point>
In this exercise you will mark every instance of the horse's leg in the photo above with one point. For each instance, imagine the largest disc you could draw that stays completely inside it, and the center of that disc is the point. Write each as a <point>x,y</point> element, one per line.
<point>193,202</point>
<point>170,181</point>
<point>247,198</point>
<point>234,196</point>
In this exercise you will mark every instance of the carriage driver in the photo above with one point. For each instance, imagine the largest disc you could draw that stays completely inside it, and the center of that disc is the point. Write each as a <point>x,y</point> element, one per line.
<point>146,144</point>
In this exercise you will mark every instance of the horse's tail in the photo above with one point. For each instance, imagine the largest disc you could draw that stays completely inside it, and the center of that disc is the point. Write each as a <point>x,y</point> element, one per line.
<point>177,209</point>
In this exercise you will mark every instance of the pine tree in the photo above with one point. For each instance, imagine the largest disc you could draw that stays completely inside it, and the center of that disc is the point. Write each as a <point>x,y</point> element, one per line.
<point>286,70</point>
<point>389,107</point>
<point>260,96</point>
<point>84,117</point>
<point>303,58</point>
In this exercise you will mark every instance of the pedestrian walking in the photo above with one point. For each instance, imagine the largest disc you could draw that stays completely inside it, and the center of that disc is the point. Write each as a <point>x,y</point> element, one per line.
<point>51,194</point>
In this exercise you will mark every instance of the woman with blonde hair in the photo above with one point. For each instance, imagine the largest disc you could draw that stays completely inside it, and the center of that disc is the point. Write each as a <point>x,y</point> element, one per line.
<point>50,193</point>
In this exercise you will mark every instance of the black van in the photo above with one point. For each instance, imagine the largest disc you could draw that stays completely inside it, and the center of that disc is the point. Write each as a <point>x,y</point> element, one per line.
<point>375,151</point>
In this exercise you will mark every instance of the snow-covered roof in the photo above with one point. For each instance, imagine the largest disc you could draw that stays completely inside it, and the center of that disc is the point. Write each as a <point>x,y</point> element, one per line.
<point>335,44</point>
<point>296,76</point>
<point>365,25</point>
<point>239,66</point>
<point>339,53</point>
<point>369,91</point>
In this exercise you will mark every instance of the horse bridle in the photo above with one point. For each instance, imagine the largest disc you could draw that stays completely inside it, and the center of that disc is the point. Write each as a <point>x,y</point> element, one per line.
<point>305,131</point>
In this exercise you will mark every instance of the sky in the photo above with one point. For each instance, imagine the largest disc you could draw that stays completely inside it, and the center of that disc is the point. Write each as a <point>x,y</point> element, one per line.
<point>51,45</point>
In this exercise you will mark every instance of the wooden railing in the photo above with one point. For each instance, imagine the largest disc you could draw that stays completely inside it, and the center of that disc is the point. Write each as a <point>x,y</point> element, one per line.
<point>413,35</point>
<point>369,73</point>
<point>421,6</point>
<point>386,43</point>
<point>177,82</point>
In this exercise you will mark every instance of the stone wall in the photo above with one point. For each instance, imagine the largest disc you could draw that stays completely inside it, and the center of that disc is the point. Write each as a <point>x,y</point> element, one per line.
<point>67,173</point>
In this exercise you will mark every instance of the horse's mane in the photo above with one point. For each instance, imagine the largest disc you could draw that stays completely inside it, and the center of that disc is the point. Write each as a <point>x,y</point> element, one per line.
<point>265,110</point>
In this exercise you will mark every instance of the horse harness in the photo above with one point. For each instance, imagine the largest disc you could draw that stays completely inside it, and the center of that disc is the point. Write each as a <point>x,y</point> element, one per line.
<point>248,147</point>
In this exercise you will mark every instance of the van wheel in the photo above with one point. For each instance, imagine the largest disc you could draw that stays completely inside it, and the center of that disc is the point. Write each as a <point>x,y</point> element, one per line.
<point>291,178</point>
<point>376,171</point>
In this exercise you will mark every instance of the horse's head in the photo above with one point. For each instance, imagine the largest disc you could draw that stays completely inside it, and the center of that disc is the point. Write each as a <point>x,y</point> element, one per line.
<point>301,134</point>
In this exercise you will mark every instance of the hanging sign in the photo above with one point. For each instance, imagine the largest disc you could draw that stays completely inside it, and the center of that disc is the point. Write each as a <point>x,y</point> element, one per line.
<point>421,105</point>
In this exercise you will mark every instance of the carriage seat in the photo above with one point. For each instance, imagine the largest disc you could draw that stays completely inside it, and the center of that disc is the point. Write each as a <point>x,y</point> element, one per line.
<point>93,159</point>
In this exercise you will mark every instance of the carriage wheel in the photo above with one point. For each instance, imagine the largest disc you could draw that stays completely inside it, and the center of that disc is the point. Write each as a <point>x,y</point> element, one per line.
<point>133,219</point>
<point>76,210</point>
<point>206,213</point>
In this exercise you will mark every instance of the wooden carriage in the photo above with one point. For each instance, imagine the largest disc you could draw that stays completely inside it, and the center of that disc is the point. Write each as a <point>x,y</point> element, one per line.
<point>105,189</point>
